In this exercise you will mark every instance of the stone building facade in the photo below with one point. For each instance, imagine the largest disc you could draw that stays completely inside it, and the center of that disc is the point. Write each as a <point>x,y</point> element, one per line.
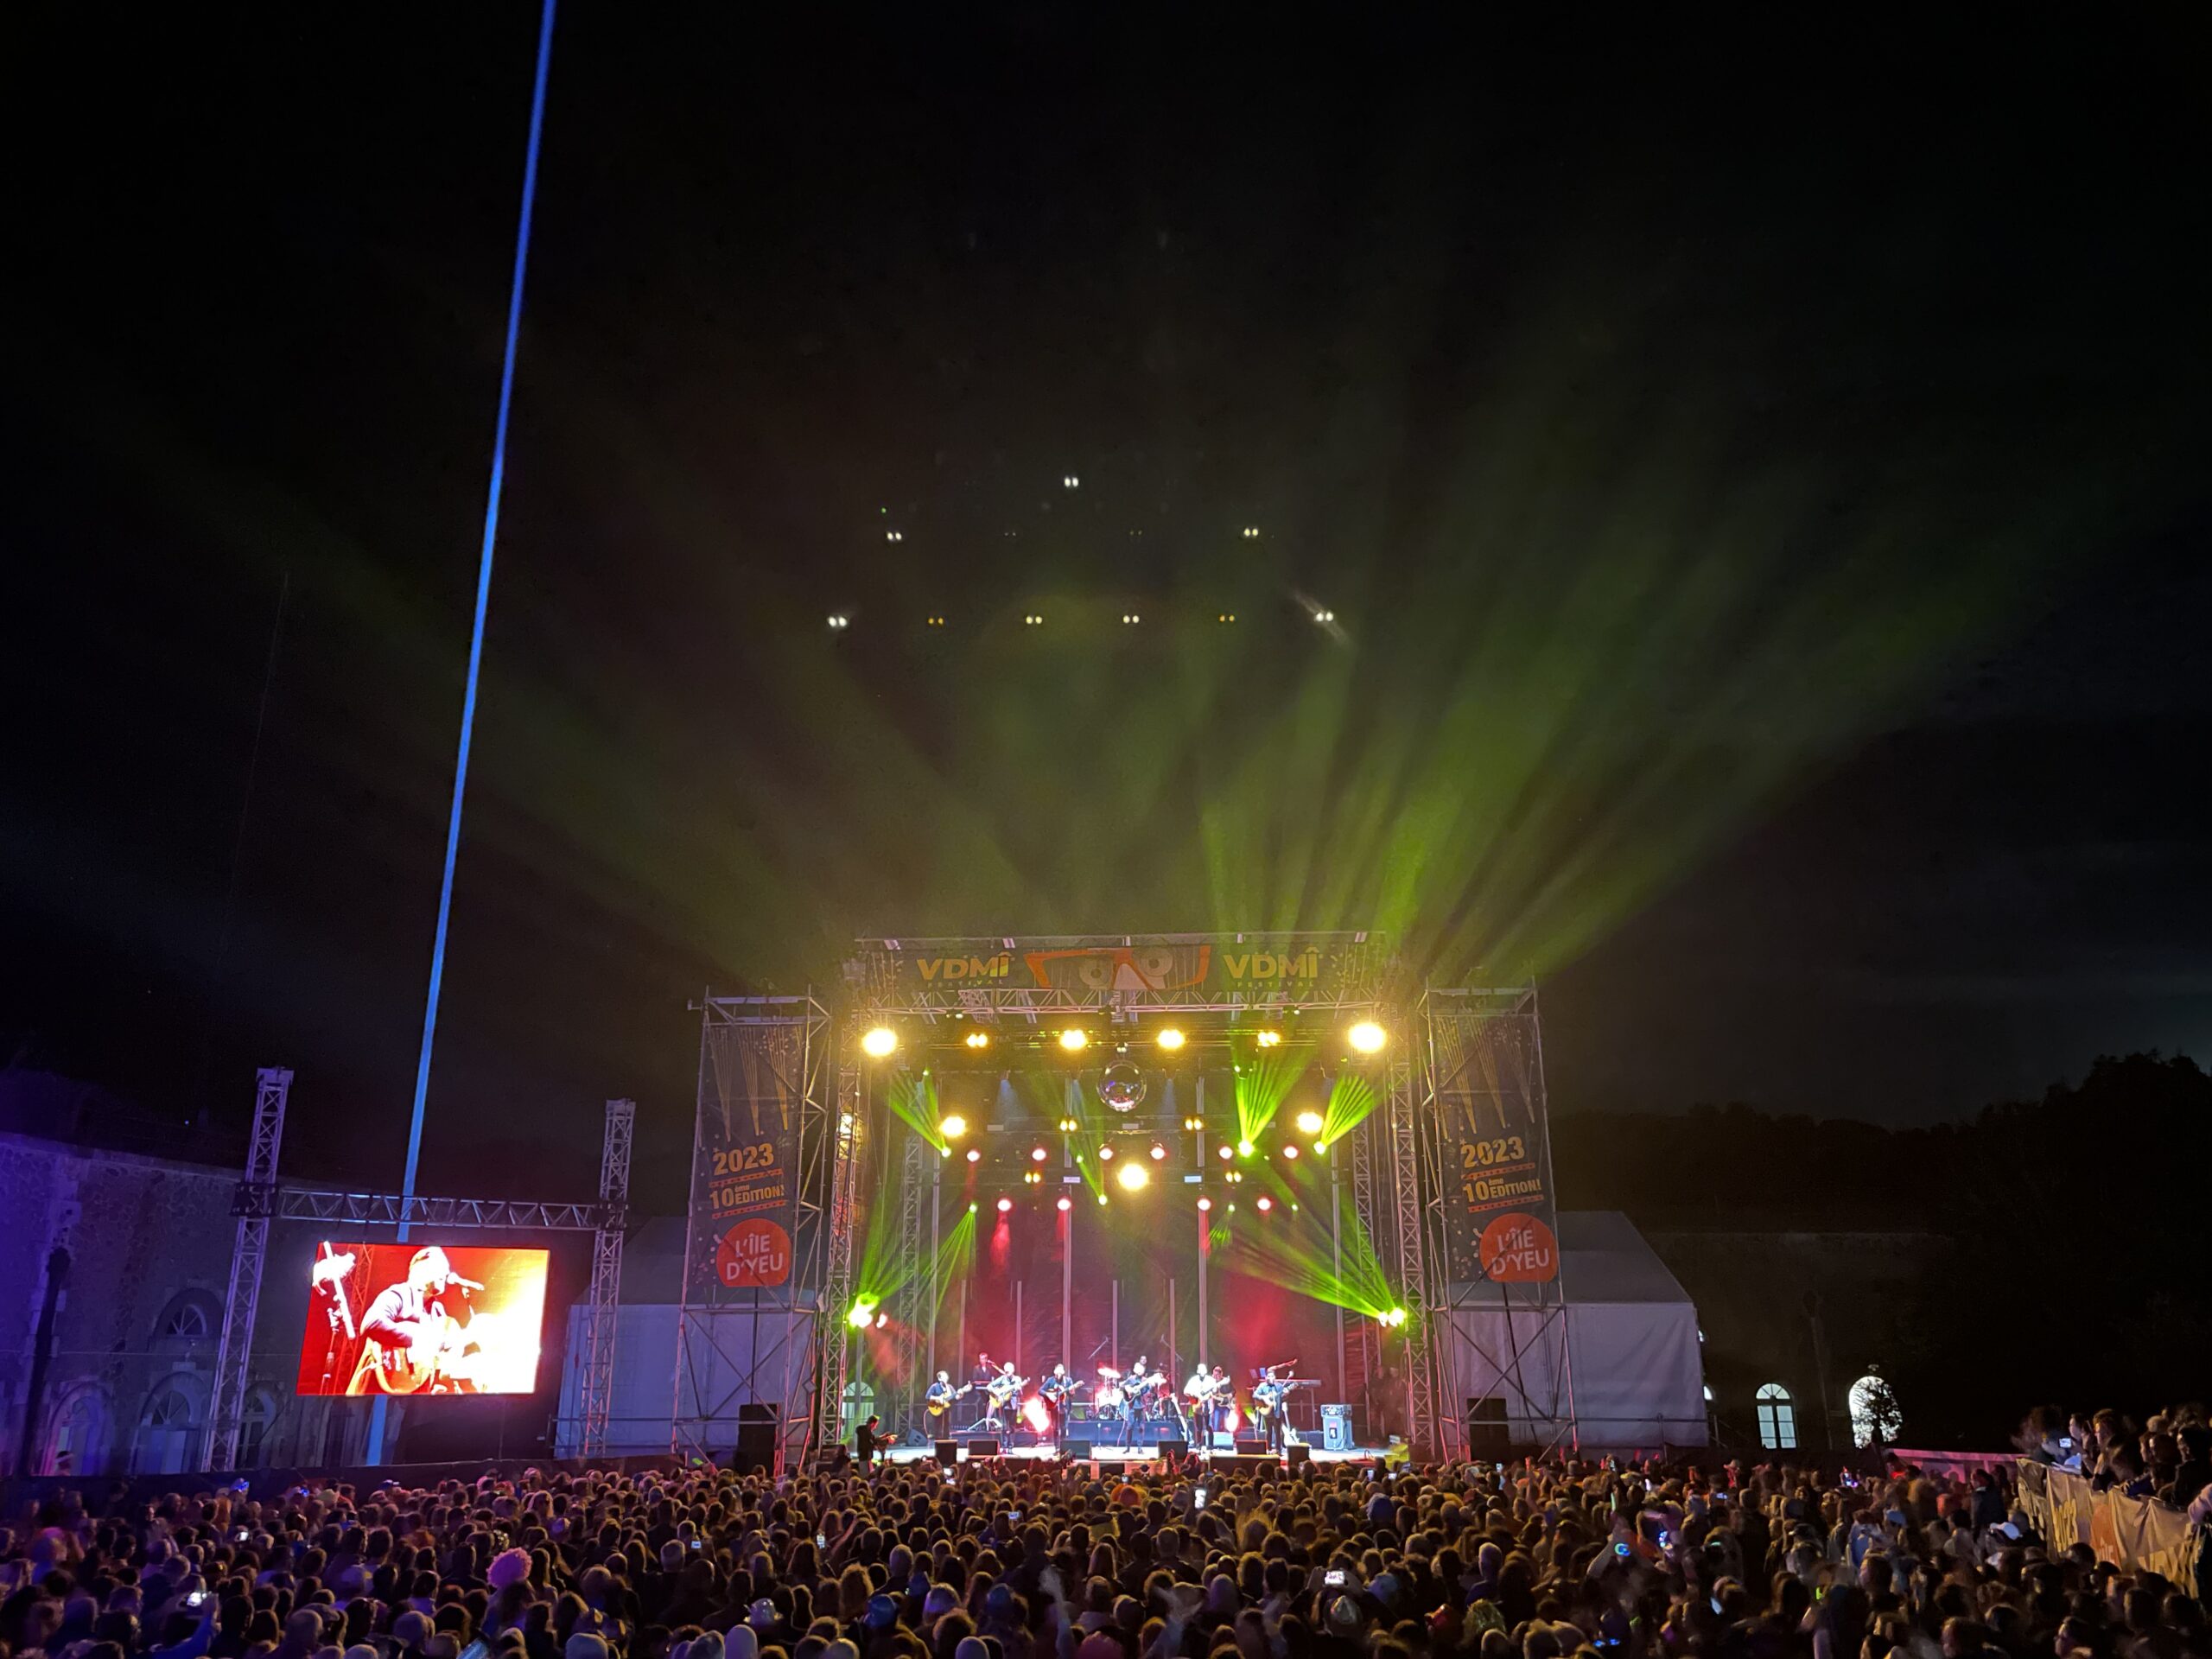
<point>113,1270</point>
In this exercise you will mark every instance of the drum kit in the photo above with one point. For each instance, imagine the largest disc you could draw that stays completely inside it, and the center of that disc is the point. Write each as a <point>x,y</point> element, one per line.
<point>1116,1398</point>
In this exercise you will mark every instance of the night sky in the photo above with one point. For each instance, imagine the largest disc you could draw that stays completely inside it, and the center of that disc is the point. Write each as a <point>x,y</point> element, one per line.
<point>1758,482</point>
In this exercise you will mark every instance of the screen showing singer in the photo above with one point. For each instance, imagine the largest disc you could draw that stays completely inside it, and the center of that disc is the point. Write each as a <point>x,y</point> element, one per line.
<point>422,1318</point>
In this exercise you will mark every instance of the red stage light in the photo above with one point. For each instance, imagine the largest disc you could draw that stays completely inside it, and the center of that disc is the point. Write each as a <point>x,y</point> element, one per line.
<point>1004,1204</point>
<point>974,1156</point>
<point>1266,1203</point>
<point>1228,1151</point>
<point>1159,1152</point>
<point>1105,1154</point>
<point>1205,1203</point>
<point>1037,1153</point>
<point>1067,1204</point>
<point>1289,1151</point>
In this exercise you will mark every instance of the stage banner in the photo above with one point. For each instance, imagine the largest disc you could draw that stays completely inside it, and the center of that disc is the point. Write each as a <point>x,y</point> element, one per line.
<point>1293,965</point>
<point>745,1164</point>
<point>1501,1226</point>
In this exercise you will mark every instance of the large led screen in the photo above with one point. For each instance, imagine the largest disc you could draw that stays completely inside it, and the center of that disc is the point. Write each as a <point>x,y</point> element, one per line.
<point>422,1319</point>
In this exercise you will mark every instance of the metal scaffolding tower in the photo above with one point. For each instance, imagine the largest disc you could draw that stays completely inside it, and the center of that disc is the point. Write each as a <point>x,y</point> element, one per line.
<point>595,1391</point>
<point>254,1205</point>
<point>750,1349</point>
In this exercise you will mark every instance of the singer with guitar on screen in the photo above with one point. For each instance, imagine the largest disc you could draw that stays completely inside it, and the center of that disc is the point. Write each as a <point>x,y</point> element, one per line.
<point>411,1342</point>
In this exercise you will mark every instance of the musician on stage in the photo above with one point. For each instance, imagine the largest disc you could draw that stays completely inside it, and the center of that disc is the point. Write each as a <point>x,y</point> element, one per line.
<point>1222,1400</point>
<point>937,1400</point>
<point>1055,1391</point>
<point>1004,1391</point>
<point>1269,1403</point>
<point>1136,1390</point>
<point>1199,1391</point>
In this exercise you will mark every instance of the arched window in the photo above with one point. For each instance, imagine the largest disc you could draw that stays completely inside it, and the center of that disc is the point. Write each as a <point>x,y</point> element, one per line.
<point>191,1316</point>
<point>1875,1418</point>
<point>1778,1418</point>
<point>77,1438</point>
<point>167,1426</point>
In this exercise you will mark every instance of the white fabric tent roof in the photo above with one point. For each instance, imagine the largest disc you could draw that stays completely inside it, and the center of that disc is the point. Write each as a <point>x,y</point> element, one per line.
<point>1618,1365</point>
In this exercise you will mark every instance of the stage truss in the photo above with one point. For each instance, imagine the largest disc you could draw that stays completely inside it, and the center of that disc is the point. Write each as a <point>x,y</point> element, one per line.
<point>761,1347</point>
<point>261,1199</point>
<point>1447,1046</point>
<point>1482,1055</point>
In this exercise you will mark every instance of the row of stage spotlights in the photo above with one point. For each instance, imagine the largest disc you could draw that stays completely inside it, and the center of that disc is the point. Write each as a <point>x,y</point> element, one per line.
<point>867,1314</point>
<point>952,1126</point>
<point>1365,1037</point>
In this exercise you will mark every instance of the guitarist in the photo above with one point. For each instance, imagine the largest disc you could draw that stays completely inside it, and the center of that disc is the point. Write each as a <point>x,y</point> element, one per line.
<point>937,1399</point>
<point>407,1332</point>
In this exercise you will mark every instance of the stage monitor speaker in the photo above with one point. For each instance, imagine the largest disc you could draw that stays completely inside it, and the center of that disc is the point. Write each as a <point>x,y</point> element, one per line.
<point>1251,1448</point>
<point>1486,1426</point>
<point>1336,1428</point>
<point>948,1452</point>
<point>984,1446</point>
<point>1170,1449</point>
<point>758,1429</point>
<point>1300,1453</point>
<point>1077,1450</point>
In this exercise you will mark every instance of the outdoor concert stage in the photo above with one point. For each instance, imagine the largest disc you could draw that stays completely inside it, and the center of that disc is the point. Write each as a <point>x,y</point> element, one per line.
<point>1275,1156</point>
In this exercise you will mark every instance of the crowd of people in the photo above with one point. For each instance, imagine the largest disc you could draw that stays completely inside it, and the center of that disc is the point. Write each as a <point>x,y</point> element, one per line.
<point>1035,1560</point>
<point>2168,1457</point>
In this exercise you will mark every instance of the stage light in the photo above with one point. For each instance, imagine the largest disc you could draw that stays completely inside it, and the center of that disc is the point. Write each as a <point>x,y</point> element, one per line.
<point>1102,1198</point>
<point>1171,1040</point>
<point>882,1320</point>
<point>1226,616</point>
<point>975,1155</point>
<point>1368,1037</point>
<point>952,1126</point>
<point>978,1039</point>
<point>1194,1124</point>
<point>1245,1148</point>
<point>1133,1177</point>
<point>1067,1204</point>
<point>1394,1318</point>
<point>1033,621</point>
<point>1205,1203</point>
<point>1159,1152</point>
<point>944,1152</point>
<point>1228,1151</point>
<point>1290,1149</point>
<point>1071,482</point>
<point>839,624</point>
<point>1004,1204</point>
<point>1069,1126</point>
<point>1106,1152</point>
<point>861,1316</point>
<point>1037,1154</point>
<point>1074,1038</point>
<point>879,1043</point>
<point>1266,1203</point>
<point>1309,1123</point>
<point>1267,1038</point>
<point>1130,619</point>
<point>1321,1148</point>
<point>1325,617</point>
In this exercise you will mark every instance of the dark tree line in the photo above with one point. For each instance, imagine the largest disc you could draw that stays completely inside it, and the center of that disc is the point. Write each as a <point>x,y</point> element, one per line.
<point>2077,1227</point>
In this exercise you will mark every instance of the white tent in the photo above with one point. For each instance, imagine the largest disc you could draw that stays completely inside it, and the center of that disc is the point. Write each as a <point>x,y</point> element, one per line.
<point>1613,1357</point>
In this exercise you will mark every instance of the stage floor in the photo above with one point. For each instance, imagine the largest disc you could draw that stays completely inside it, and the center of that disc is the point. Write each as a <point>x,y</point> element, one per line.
<point>1113,1455</point>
